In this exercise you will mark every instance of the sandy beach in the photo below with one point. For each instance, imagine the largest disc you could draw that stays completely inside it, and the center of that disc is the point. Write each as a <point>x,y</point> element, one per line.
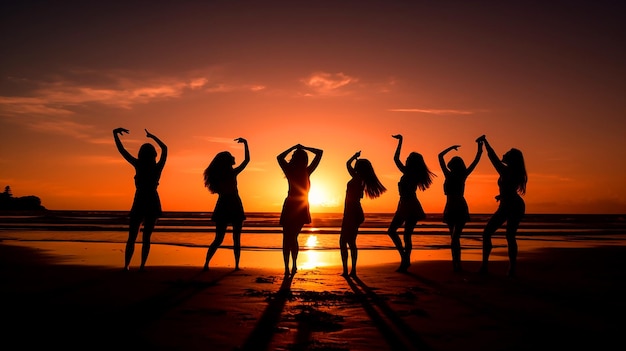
<point>75,295</point>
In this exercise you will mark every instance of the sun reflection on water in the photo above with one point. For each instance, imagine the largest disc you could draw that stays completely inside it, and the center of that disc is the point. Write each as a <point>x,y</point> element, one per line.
<point>311,258</point>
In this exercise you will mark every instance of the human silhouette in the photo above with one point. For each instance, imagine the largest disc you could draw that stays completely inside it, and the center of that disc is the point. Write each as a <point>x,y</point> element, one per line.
<point>146,206</point>
<point>415,175</point>
<point>512,185</point>
<point>220,177</point>
<point>363,181</point>
<point>456,211</point>
<point>295,212</point>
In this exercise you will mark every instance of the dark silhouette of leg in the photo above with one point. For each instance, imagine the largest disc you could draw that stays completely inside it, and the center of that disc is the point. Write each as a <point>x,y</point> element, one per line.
<point>294,252</point>
<point>456,247</point>
<point>408,245</point>
<point>148,228</point>
<point>343,248</point>
<point>237,243</point>
<point>392,231</point>
<point>133,231</point>
<point>354,253</point>
<point>511,241</point>
<point>492,226</point>
<point>220,232</point>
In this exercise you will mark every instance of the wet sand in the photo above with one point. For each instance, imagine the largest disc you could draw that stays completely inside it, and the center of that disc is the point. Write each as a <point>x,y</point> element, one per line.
<point>75,295</point>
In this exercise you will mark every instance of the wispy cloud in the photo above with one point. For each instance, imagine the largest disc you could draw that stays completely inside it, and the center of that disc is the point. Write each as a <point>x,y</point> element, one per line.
<point>322,83</point>
<point>433,111</point>
<point>122,90</point>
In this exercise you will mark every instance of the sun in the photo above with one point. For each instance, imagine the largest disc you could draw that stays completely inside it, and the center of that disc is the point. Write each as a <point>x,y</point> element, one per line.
<point>319,196</point>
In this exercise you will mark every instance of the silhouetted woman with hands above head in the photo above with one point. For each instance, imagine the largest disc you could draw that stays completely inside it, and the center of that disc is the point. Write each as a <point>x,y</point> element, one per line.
<point>295,212</point>
<point>363,181</point>
<point>456,212</point>
<point>146,206</point>
<point>511,185</point>
<point>220,177</point>
<point>415,175</point>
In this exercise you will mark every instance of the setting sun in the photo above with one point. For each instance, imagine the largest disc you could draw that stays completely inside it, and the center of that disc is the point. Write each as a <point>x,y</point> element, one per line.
<point>319,196</point>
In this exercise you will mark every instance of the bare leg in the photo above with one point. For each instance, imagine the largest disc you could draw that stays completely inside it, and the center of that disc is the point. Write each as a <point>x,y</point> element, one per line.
<point>492,226</point>
<point>294,253</point>
<point>456,247</point>
<point>148,228</point>
<point>354,253</point>
<point>133,231</point>
<point>220,232</point>
<point>343,248</point>
<point>408,246</point>
<point>395,238</point>
<point>237,243</point>
<point>511,231</point>
<point>286,251</point>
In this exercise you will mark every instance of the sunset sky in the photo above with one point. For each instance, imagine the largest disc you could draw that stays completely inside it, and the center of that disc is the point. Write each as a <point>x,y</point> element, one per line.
<point>547,77</point>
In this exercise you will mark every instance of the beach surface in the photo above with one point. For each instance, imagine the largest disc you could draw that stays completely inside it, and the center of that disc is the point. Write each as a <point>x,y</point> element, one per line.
<point>74,295</point>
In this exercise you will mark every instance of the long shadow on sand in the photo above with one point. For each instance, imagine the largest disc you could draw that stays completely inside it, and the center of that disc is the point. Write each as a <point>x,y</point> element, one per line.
<point>261,337</point>
<point>398,334</point>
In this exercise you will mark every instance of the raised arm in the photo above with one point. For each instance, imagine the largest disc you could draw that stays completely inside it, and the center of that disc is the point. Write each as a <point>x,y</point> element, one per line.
<point>442,162</point>
<point>120,147</point>
<point>246,156</point>
<point>479,152</point>
<point>396,155</point>
<point>162,145</point>
<point>351,160</point>
<point>316,158</point>
<point>281,157</point>
<point>493,157</point>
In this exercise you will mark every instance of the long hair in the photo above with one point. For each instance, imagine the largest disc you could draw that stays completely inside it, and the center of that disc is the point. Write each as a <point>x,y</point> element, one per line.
<point>515,161</point>
<point>373,187</point>
<point>220,168</point>
<point>417,170</point>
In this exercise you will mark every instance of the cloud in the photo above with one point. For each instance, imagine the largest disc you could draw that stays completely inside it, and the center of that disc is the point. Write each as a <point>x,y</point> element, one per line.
<point>60,96</point>
<point>433,111</point>
<point>322,83</point>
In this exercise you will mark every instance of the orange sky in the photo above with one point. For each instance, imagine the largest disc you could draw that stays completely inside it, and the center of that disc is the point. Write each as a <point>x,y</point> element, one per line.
<point>342,76</point>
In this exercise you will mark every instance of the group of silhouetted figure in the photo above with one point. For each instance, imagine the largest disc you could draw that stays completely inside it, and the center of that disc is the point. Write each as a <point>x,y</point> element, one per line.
<point>220,177</point>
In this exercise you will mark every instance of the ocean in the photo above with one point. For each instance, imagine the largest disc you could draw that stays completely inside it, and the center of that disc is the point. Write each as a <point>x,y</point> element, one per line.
<point>261,230</point>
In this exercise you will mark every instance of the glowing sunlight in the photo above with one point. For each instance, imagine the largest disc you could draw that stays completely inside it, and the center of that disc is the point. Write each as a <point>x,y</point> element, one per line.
<point>319,196</point>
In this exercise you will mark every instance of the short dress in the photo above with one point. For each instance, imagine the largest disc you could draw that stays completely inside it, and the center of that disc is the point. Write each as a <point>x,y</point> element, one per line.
<point>353,215</point>
<point>409,208</point>
<point>456,209</point>
<point>295,209</point>
<point>146,203</point>
<point>228,208</point>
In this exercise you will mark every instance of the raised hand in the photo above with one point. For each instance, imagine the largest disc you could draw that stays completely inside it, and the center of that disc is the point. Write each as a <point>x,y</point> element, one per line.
<point>120,131</point>
<point>241,140</point>
<point>397,136</point>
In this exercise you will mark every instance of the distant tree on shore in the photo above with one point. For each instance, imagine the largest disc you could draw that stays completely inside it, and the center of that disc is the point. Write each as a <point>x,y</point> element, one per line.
<point>22,203</point>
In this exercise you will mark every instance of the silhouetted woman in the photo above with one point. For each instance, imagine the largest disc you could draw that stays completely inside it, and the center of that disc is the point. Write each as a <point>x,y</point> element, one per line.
<point>512,185</point>
<point>415,175</point>
<point>146,206</point>
<point>220,177</point>
<point>295,213</point>
<point>364,180</point>
<point>456,211</point>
